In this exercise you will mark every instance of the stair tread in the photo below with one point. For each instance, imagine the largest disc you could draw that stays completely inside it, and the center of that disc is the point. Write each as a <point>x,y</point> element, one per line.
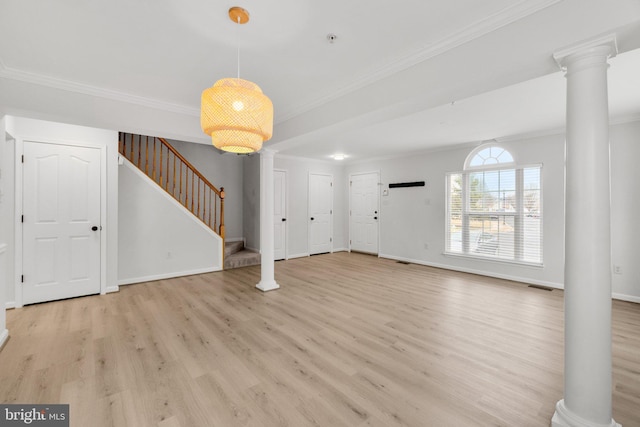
<point>233,247</point>
<point>243,258</point>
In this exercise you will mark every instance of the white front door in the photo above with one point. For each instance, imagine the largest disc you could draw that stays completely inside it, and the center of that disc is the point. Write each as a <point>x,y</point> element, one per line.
<point>280,214</point>
<point>61,222</point>
<point>320,213</point>
<point>364,212</point>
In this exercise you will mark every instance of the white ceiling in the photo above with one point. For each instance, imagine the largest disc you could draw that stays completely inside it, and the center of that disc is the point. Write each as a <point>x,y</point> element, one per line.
<point>402,76</point>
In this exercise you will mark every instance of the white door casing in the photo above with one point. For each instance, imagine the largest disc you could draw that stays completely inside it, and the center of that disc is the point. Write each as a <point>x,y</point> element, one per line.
<point>364,212</point>
<point>280,214</point>
<point>61,204</point>
<point>320,213</point>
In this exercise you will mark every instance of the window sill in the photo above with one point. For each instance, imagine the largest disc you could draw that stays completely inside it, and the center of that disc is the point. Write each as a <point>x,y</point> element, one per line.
<point>494,260</point>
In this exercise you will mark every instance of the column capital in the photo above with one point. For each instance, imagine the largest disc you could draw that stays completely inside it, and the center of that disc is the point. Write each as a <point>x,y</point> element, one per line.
<point>267,152</point>
<point>599,49</point>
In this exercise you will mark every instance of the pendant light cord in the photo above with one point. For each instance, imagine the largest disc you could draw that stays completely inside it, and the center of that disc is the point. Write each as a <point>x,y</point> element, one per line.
<point>238,44</point>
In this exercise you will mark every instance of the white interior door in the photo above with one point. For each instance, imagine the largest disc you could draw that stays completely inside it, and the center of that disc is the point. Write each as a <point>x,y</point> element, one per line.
<point>280,214</point>
<point>61,222</point>
<point>320,213</point>
<point>364,216</point>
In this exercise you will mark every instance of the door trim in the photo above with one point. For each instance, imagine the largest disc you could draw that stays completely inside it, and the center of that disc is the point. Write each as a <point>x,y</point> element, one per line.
<point>19,152</point>
<point>351,175</point>
<point>309,211</point>
<point>286,210</point>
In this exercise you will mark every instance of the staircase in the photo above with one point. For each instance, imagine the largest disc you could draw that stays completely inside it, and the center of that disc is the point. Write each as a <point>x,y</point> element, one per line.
<point>236,256</point>
<point>162,163</point>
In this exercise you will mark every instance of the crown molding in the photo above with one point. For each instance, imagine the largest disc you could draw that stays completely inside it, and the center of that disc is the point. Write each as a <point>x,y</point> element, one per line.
<point>609,41</point>
<point>315,160</point>
<point>471,32</point>
<point>480,28</point>
<point>85,89</point>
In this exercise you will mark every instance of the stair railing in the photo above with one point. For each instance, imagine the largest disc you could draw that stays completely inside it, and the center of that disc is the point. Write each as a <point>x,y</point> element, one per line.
<point>161,162</point>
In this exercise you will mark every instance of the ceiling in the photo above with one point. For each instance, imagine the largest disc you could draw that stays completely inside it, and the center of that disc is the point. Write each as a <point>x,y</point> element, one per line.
<point>400,77</point>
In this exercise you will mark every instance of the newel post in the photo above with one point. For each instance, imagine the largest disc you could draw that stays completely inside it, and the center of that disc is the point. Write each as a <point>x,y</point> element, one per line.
<point>221,230</point>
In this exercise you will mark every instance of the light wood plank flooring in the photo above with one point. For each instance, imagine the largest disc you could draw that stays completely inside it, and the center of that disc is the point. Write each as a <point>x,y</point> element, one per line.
<point>348,340</point>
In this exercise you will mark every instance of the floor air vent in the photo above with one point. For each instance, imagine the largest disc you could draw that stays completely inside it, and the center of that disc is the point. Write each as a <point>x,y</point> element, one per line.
<point>542,288</point>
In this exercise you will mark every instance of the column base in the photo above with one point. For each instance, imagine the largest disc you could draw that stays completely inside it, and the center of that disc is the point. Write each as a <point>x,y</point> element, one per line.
<point>563,417</point>
<point>267,286</point>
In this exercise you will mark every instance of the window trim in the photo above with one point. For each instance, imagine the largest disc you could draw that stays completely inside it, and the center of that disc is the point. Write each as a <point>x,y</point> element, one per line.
<point>479,149</point>
<point>465,250</point>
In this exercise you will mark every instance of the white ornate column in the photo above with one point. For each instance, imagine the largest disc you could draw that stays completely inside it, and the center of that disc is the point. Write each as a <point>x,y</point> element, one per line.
<point>587,277</point>
<point>267,280</point>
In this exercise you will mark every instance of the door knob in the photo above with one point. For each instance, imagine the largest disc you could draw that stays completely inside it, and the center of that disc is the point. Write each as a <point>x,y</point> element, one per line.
<point>375,217</point>
<point>375,212</point>
<point>94,228</point>
<point>312,218</point>
<point>284,219</point>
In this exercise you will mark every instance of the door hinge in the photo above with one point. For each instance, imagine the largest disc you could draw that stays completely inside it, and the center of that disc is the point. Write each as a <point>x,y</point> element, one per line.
<point>22,279</point>
<point>331,212</point>
<point>23,158</point>
<point>332,184</point>
<point>22,219</point>
<point>331,239</point>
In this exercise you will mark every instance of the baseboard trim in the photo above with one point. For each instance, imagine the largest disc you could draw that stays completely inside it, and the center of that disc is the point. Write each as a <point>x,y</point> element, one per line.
<point>10,304</point>
<point>625,297</point>
<point>617,296</point>
<point>478,272</point>
<point>166,276</point>
<point>298,256</point>
<point>4,336</point>
<point>340,250</point>
<point>112,289</point>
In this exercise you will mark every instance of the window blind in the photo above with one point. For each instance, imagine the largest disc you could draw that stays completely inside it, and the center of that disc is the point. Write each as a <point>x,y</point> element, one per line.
<point>495,213</point>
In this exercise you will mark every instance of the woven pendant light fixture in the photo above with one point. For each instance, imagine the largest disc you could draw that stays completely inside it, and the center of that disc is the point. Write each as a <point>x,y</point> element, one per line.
<point>235,112</point>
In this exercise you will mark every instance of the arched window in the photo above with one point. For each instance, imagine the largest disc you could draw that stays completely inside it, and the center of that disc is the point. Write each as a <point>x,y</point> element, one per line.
<point>494,208</point>
<point>488,156</point>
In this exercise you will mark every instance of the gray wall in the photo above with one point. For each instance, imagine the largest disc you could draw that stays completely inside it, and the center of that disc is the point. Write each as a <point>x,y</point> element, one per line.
<point>251,201</point>
<point>222,170</point>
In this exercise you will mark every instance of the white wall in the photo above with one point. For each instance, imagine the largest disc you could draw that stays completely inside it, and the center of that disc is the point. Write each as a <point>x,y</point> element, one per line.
<point>4,277</point>
<point>120,112</point>
<point>7,210</point>
<point>222,170</point>
<point>625,209</point>
<point>413,217</point>
<point>298,170</point>
<point>37,130</point>
<point>158,237</point>
<point>4,333</point>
